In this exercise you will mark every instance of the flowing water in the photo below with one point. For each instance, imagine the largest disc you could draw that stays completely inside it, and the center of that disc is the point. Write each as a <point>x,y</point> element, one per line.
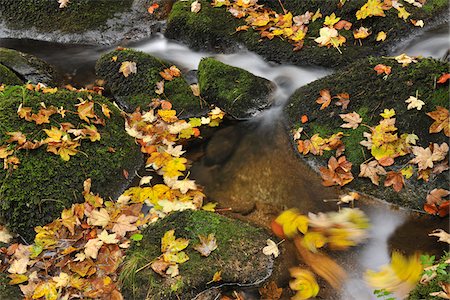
<point>251,165</point>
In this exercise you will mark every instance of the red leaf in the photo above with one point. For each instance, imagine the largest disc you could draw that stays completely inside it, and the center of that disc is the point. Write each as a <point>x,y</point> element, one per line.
<point>444,78</point>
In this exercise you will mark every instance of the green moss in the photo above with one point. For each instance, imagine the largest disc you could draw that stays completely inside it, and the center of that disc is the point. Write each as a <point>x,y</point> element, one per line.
<point>45,15</point>
<point>28,66</point>
<point>214,29</point>
<point>44,184</point>
<point>238,255</point>
<point>139,89</point>
<point>8,77</point>
<point>237,91</point>
<point>370,94</point>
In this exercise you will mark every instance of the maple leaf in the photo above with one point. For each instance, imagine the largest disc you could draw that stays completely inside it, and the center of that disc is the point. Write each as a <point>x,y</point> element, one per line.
<point>414,102</point>
<point>106,111</point>
<point>173,271</point>
<point>17,136</point>
<point>5,236</point>
<point>425,157</point>
<point>127,68</point>
<point>337,173</point>
<point>371,8</point>
<point>62,280</point>
<point>441,121</point>
<point>170,73</point>
<point>270,291</point>
<point>92,247</point>
<point>271,249</point>
<point>207,244</point>
<point>324,99</point>
<point>344,100</point>
<point>174,166</point>
<point>443,78</point>
<point>85,110</point>
<point>418,23</point>
<point>404,59</point>
<point>123,225</point>
<point>19,266</point>
<point>353,120</point>
<point>381,36</point>
<point>361,33</point>
<point>380,68</point>
<point>160,266</point>
<point>184,185</point>
<point>372,170</point>
<point>108,238</point>
<point>98,218</point>
<point>395,179</point>
<point>331,20</point>
<point>442,235</point>
<point>402,13</point>
<point>216,277</point>
<point>46,289</point>
<point>388,113</point>
<point>196,6</point>
<point>435,204</point>
<point>327,35</point>
<point>343,24</point>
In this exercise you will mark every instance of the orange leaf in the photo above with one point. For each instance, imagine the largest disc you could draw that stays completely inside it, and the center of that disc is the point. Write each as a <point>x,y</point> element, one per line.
<point>304,119</point>
<point>380,68</point>
<point>324,99</point>
<point>441,120</point>
<point>444,78</point>
<point>152,8</point>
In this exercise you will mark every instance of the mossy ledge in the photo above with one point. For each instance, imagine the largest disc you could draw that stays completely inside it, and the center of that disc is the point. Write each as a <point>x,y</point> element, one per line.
<point>138,89</point>
<point>8,77</point>
<point>238,92</point>
<point>370,94</point>
<point>43,184</point>
<point>213,29</point>
<point>239,256</point>
<point>27,67</point>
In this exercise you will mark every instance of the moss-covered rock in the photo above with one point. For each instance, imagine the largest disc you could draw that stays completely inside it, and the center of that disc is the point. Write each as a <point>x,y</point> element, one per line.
<point>214,29</point>
<point>370,94</point>
<point>138,88</point>
<point>46,15</point>
<point>237,91</point>
<point>8,77</point>
<point>43,184</point>
<point>238,256</point>
<point>27,67</point>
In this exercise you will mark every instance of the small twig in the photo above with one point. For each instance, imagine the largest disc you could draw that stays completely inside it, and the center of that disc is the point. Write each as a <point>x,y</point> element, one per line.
<point>284,9</point>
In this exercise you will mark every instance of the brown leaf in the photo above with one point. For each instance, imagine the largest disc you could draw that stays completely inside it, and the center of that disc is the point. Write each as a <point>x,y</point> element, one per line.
<point>344,100</point>
<point>395,179</point>
<point>127,68</point>
<point>160,267</point>
<point>337,173</point>
<point>372,170</point>
<point>324,99</point>
<point>270,291</point>
<point>441,120</point>
<point>207,244</point>
<point>353,120</point>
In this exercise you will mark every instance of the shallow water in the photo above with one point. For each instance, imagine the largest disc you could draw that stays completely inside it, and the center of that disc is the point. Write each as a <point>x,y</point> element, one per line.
<point>251,166</point>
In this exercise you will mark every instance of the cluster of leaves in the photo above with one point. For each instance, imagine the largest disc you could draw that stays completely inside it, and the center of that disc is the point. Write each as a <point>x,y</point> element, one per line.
<point>78,254</point>
<point>64,140</point>
<point>336,230</point>
<point>385,145</point>
<point>172,253</point>
<point>293,29</point>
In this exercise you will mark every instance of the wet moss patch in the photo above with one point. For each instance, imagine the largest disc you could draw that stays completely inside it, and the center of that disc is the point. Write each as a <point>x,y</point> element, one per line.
<point>237,91</point>
<point>370,94</point>
<point>43,184</point>
<point>8,77</point>
<point>239,256</point>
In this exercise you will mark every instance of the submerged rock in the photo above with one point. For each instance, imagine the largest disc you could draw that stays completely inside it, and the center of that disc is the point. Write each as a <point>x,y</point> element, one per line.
<point>26,68</point>
<point>43,184</point>
<point>370,94</point>
<point>138,88</point>
<point>82,21</point>
<point>238,92</point>
<point>238,256</point>
<point>214,29</point>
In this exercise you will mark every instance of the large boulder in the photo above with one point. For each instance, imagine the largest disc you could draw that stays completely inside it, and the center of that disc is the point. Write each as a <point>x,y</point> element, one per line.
<point>138,88</point>
<point>35,192</point>
<point>238,92</point>
<point>238,256</point>
<point>214,29</point>
<point>370,94</point>
<point>26,68</point>
<point>82,21</point>
<point>8,77</point>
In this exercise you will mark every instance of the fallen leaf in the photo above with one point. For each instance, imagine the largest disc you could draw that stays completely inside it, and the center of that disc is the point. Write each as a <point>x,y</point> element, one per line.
<point>63,3</point>
<point>395,179</point>
<point>196,6</point>
<point>443,78</point>
<point>352,120</point>
<point>151,9</point>
<point>127,68</point>
<point>414,102</point>
<point>124,224</point>
<point>270,291</point>
<point>442,235</point>
<point>404,59</point>
<point>381,36</point>
<point>441,121</point>
<point>207,244</point>
<point>380,68</point>
<point>372,170</point>
<point>271,249</point>
<point>324,99</point>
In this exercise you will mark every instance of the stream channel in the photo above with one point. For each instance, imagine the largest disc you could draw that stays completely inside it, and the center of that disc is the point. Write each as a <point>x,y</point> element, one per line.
<point>251,166</point>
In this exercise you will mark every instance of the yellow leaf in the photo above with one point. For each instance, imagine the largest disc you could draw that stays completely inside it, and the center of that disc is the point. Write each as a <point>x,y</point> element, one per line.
<point>407,172</point>
<point>381,36</point>
<point>314,240</point>
<point>371,8</point>
<point>388,113</point>
<point>174,166</point>
<point>46,289</point>
<point>402,13</point>
<point>85,110</point>
<point>127,68</point>
<point>210,206</point>
<point>331,20</point>
<point>304,283</point>
<point>17,278</point>
<point>317,15</point>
